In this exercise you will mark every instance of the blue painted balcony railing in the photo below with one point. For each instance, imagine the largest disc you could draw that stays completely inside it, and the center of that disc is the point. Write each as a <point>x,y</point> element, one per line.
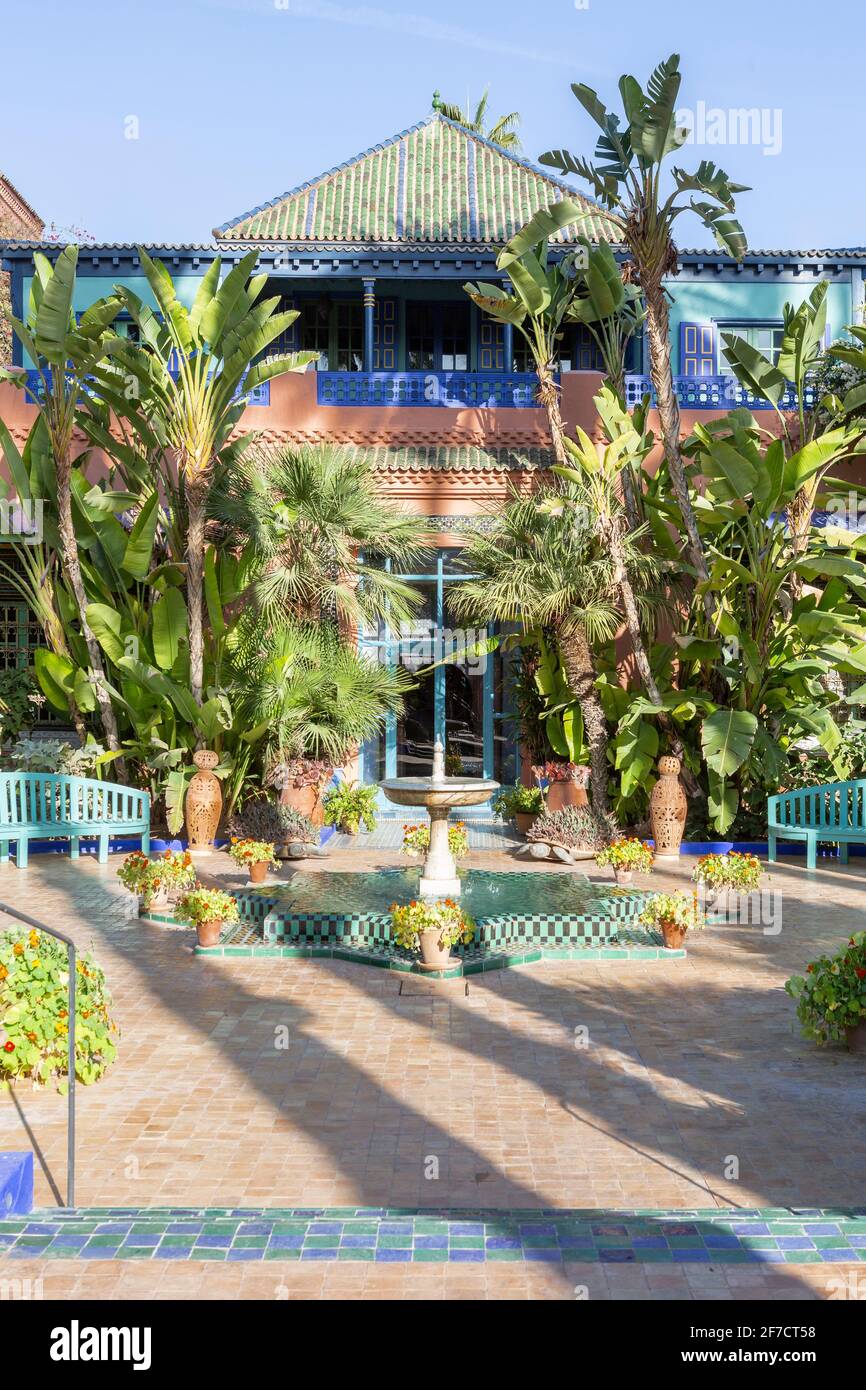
<point>711,393</point>
<point>260,395</point>
<point>454,390</point>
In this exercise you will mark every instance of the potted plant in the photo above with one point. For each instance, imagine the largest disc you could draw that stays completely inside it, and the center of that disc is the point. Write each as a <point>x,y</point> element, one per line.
<point>300,782</point>
<point>831,998</point>
<point>565,783</point>
<point>723,878</point>
<point>291,834</point>
<point>625,857</point>
<point>674,914</point>
<point>575,832</point>
<point>256,856</point>
<point>156,881</point>
<point>416,840</point>
<point>431,928</point>
<point>523,805</point>
<point>348,806</point>
<point>209,909</point>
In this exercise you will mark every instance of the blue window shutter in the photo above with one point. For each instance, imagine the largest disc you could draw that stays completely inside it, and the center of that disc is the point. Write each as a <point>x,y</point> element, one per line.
<point>697,349</point>
<point>384,335</point>
<point>491,345</point>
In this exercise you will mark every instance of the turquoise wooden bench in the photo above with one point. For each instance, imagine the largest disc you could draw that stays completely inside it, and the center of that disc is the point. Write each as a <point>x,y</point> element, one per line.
<point>43,805</point>
<point>835,811</point>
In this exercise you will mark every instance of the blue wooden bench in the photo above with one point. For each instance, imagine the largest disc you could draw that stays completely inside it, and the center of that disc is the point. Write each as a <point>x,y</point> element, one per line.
<point>43,805</point>
<point>834,812</point>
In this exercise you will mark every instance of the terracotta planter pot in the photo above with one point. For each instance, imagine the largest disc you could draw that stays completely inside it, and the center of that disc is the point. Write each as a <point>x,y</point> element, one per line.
<point>623,875</point>
<point>673,934</point>
<point>523,820</point>
<point>562,794</point>
<point>433,956</point>
<point>156,902</point>
<point>856,1037</point>
<point>208,933</point>
<point>306,800</point>
<point>259,872</point>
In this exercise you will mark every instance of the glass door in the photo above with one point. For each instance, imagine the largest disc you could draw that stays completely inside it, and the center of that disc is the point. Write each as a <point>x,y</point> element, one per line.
<point>459,696</point>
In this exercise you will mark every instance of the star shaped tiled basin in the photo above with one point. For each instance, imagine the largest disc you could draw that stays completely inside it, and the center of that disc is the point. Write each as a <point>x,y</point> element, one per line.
<point>547,910</point>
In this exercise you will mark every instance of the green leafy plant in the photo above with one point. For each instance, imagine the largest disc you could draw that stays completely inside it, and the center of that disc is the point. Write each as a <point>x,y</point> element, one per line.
<point>416,839</point>
<point>512,801</point>
<point>628,854</point>
<point>831,998</point>
<point>264,819</point>
<point>247,852</point>
<point>446,918</point>
<point>742,872</point>
<point>574,827</point>
<point>20,700</point>
<point>349,806</point>
<point>53,755</point>
<point>34,981</point>
<point>207,905</point>
<point>679,909</point>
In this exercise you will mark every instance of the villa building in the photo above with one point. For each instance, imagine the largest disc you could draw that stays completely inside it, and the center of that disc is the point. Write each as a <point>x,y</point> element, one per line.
<point>374,254</point>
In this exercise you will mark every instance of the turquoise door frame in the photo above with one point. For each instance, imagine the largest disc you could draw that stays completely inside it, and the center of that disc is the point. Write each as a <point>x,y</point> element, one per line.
<point>390,644</point>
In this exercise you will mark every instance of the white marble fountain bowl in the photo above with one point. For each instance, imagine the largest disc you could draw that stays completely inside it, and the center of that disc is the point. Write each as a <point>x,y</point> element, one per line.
<point>438,795</point>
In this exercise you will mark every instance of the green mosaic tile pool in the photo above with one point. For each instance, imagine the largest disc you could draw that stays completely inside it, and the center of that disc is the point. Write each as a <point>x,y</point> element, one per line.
<point>777,1235</point>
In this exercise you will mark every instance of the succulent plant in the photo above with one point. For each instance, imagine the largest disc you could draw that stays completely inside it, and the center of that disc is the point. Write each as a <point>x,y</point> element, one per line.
<point>574,827</point>
<point>263,819</point>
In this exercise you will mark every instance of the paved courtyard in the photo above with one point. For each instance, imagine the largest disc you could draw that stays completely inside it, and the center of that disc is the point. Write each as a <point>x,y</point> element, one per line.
<point>679,1084</point>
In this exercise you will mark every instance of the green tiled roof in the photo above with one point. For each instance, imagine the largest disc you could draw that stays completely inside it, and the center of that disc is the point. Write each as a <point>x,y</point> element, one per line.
<point>463,458</point>
<point>436,182</point>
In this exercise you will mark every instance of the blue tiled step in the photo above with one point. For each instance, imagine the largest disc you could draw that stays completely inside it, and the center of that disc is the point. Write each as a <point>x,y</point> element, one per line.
<point>404,1235</point>
<point>16,1182</point>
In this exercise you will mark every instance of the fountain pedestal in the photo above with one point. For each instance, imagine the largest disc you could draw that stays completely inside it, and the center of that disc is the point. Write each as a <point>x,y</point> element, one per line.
<point>438,795</point>
<point>439,879</point>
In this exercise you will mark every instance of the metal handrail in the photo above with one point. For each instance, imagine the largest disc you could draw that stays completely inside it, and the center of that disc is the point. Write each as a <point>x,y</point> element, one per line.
<point>70,1121</point>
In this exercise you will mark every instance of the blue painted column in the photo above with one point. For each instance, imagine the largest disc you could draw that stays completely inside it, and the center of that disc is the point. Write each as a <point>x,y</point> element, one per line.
<point>507,338</point>
<point>369,306</point>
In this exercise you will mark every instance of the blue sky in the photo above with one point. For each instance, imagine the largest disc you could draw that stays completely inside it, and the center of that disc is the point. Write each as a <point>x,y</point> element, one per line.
<point>238,100</point>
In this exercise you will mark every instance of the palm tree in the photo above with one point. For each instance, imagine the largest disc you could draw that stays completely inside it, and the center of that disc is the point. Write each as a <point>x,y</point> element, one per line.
<point>66,352</point>
<point>627,183</point>
<point>307,695</point>
<point>196,368</point>
<point>541,565</point>
<point>503,131</point>
<point>317,533</point>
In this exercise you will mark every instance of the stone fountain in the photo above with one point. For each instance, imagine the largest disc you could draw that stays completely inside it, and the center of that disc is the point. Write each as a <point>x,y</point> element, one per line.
<point>439,795</point>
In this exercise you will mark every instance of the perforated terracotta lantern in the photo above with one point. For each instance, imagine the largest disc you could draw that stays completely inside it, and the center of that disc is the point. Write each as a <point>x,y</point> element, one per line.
<point>668,807</point>
<point>204,802</point>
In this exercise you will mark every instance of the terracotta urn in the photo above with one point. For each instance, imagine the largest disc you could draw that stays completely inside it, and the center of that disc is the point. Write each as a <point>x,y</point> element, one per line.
<point>667,810</point>
<point>259,871</point>
<point>433,955</point>
<point>562,794</point>
<point>204,803</point>
<point>307,801</point>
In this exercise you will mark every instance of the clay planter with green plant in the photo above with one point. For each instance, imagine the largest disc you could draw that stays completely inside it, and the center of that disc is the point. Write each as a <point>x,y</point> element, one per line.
<point>349,806</point>
<point>209,910</point>
<point>157,881</point>
<point>725,879</point>
<point>256,856</point>
<point>626,857</point>
<point>523,805</point>
<point>674,915</point>
<point>831,998</point>
<point>431,928</point>
<point>566,784</point>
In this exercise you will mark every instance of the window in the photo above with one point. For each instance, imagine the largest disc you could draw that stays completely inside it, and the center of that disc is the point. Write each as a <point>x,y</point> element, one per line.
<point>420,337</point>
<point>349,353</point>
<point>455,337</point>
<point>315,330</point>
<point>766,337</point>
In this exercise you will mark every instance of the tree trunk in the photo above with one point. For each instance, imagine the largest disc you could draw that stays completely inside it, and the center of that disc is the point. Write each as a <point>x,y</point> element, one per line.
<point>548,395</point>
<point>580,671</point>
<point>195,497</point>
<point>658,332</point>
<point>72,571</point>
